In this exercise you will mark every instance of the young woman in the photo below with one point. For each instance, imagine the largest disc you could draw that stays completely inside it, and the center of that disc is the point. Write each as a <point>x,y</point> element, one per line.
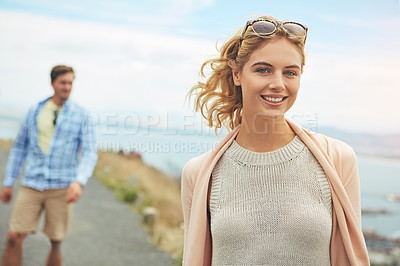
<point>271,192</point>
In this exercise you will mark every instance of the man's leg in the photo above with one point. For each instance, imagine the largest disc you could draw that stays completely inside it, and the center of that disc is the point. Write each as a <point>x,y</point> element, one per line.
<point>57,218</point>
<point>55,257</point>
<point>12,255</point>
<point>24,219</point>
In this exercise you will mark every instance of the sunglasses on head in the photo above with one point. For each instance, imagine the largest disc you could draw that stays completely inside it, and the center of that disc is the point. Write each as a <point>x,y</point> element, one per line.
<point>266,27</point>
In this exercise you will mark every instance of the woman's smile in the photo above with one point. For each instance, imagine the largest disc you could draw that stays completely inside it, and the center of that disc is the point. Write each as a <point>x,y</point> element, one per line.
<point>274,100</point>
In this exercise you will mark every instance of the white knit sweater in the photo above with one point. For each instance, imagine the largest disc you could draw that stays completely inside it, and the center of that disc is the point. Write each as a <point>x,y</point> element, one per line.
<point>270,208</point>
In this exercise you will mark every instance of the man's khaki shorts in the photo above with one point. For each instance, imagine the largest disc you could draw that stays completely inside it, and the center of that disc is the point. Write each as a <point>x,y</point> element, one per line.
<point>28,208</point>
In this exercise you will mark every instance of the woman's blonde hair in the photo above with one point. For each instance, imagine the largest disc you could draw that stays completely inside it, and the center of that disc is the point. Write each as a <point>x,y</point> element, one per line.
<point>219,99</point>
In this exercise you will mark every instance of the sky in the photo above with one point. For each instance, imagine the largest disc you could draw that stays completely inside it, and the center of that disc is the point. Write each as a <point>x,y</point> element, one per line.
<point>142,57</point>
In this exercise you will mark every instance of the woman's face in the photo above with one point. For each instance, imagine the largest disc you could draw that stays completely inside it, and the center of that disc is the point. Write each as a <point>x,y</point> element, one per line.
<point>270,80</point>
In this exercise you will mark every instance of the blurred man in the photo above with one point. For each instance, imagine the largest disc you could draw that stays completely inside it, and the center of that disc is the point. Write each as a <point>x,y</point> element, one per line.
<point>57,142</point>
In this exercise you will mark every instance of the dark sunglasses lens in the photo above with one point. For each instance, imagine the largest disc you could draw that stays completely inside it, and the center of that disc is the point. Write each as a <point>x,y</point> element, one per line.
<point>263,27</point>
<point>295,29</point>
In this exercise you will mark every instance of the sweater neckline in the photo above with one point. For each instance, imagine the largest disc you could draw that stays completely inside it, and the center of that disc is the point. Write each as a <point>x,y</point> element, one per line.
<point>286,153</point>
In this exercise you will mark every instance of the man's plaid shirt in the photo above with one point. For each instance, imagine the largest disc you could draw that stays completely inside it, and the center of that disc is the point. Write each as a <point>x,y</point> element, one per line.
<point>72,155</point>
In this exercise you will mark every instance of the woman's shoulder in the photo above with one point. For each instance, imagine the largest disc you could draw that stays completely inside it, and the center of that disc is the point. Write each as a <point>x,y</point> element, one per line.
<point>333,147</point>
<point>333,143</point>
<point>336,148</point>
<point>193,166</point>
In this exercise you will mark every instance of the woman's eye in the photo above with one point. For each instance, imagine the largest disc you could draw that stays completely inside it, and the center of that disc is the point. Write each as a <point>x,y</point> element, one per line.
<point>290,73</point>
<point>262,70</point>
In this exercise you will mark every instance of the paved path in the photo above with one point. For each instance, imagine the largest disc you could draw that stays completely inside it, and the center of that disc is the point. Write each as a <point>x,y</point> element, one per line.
<point>104,231</point>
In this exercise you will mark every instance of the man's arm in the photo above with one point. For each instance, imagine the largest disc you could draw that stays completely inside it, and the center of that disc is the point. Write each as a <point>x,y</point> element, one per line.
<point>88,149</point>
<point>16,159</point>
<point>87,162</point>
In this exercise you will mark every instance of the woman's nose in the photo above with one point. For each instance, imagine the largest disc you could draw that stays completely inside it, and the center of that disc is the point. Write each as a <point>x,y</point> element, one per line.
<point>277,83</point>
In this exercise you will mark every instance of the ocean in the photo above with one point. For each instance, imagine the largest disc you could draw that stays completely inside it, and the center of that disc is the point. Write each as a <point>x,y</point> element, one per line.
<point>169,149</point>
<point>379,178</point>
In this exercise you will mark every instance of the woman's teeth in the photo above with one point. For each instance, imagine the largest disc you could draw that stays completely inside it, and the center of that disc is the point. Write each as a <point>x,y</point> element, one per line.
<point>274,100</point>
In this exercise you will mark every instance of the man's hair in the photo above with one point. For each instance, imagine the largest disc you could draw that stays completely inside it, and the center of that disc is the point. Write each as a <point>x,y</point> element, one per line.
<point>59,70</point>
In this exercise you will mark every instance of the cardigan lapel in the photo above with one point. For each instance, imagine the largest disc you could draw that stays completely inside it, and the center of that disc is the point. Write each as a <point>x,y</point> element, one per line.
<point>201,192</point>
<point>344,215</point>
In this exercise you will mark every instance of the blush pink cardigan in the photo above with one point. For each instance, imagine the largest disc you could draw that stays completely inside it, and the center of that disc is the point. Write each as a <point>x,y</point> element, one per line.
<point>340,166</point>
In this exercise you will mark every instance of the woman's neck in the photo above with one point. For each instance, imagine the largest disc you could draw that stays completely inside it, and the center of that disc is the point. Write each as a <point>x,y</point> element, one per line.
<point>264,134</point>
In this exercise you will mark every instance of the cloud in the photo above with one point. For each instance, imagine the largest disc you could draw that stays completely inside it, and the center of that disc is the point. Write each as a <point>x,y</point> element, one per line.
<point>352,33</point>
<point>122,68</point>
<point>352,92</point>
<point>117,67</point>
<point>165,16</point>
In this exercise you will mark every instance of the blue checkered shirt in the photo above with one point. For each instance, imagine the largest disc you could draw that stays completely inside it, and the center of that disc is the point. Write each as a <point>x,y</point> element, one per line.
<point>72,154</point>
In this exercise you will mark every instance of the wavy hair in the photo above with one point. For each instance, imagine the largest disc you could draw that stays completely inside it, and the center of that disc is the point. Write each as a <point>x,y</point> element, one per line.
<point>218,99</point>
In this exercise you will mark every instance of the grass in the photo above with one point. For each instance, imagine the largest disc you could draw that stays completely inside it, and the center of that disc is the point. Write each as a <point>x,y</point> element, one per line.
<point>144,186</point>
<point>5,144</point>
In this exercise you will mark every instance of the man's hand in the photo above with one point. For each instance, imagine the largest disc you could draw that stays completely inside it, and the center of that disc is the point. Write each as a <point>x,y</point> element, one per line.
<point>74,192</point>
<point>6,194</point>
